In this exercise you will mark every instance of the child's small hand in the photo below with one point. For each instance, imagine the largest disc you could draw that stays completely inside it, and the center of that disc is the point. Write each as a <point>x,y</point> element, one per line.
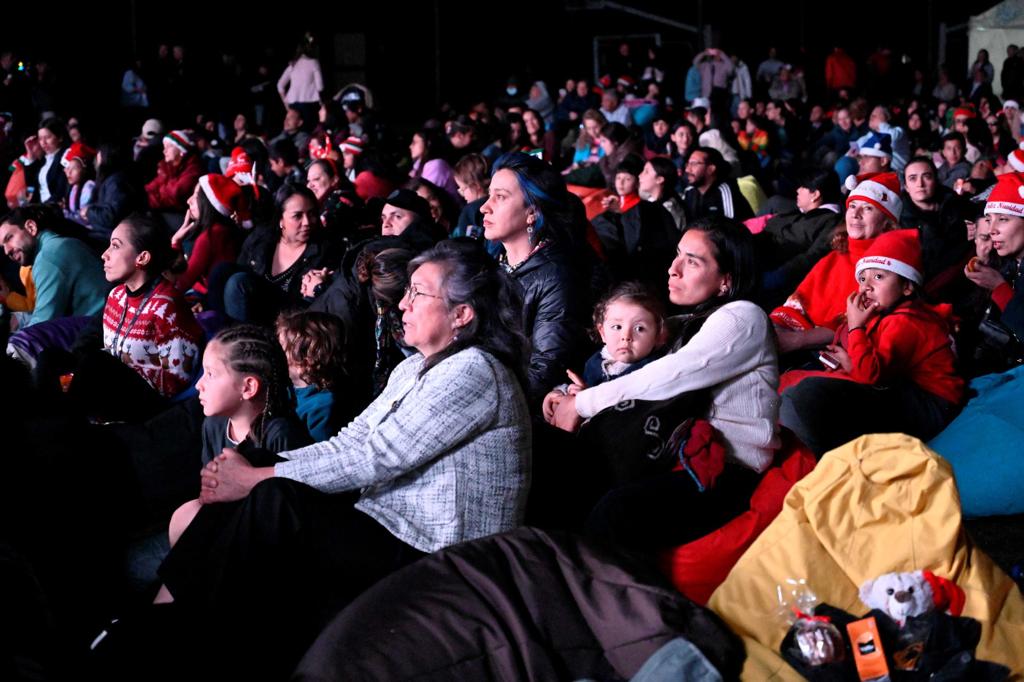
<point>840,355</point>
<point>859,310</point>
<point>577,384</point>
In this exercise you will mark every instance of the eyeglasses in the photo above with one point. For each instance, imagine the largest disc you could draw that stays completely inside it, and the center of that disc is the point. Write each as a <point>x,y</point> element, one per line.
<point>695,164</point>
<point>411,292</point>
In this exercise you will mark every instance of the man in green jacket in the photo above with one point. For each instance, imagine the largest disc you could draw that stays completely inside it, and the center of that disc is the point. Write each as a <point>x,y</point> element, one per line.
<point>68,276</point>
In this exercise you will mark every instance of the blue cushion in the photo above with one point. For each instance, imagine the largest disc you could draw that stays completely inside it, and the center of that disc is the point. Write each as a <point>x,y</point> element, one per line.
<point>985,445</point>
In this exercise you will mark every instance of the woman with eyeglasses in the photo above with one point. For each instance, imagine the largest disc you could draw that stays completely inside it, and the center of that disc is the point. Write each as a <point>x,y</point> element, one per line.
<point>440,457</point>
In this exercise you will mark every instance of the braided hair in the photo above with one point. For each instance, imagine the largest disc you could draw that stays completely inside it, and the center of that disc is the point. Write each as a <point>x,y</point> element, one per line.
<point>249,349</point>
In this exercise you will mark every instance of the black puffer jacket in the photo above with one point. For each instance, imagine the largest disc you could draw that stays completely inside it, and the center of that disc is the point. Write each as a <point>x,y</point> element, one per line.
<point>555,303</point>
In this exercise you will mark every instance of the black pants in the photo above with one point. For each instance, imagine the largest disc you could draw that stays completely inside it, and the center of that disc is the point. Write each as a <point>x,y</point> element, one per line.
<point>667,510</point>
<point>825,413</point>
<point>275,566</point>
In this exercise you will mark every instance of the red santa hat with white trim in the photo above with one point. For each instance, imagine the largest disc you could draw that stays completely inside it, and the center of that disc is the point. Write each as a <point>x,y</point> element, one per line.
<point>1007,196</point>
<point>225,196</point>
<point>1016,159</point>
<point>896,251</point>
<point>880,189</point>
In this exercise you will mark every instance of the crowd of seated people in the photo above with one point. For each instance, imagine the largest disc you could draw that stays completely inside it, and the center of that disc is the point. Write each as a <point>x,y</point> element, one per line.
<point>360,346</point>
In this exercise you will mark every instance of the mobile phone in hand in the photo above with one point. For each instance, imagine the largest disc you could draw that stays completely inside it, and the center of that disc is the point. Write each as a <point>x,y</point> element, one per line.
<point>828,360</point>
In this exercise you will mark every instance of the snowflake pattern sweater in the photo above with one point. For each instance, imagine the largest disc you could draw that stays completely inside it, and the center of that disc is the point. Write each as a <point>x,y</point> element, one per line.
<point>160,341</point>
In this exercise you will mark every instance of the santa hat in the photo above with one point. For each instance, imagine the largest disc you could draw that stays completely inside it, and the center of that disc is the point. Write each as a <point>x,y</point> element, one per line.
<point>897,251</point>
<point>225,195</point>
<point>180,139</point>
<point>1007,196</point>
<point>964,112</point>
<point>352,145</point>
<point>1016,159</point>
<point>626,81</point>
<point>80,153</point>
<point>880,189</point>
<point>947,595</point>
<point>876,144</point>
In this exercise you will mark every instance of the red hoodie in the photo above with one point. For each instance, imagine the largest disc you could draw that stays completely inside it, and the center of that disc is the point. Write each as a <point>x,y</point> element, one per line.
<point>911,342</point>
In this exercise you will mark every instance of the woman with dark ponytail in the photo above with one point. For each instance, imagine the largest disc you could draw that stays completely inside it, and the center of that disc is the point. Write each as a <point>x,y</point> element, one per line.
<point>150,340</point>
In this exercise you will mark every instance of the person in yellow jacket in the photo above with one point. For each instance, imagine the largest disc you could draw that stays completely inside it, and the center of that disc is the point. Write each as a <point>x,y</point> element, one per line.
<point>20,303</point>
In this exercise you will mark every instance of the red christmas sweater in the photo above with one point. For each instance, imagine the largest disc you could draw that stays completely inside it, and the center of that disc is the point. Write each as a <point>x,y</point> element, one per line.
<point>820,300</point>
<point>911,342</point>
<point>160,341</point>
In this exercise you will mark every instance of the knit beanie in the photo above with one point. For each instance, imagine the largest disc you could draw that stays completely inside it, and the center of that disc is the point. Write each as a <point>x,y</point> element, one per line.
<point>880,189</point>
<point>1007,196</point>
<point>897,251</point>
<point>352,145</point>
<point>180,139</point>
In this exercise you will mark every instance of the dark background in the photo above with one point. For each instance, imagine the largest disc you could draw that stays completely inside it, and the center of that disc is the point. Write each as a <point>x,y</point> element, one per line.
<point>416,55</point>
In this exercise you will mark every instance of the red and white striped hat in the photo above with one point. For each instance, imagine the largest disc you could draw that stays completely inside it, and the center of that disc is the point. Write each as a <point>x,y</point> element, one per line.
<point>180,139</point>
<point>880,189</point>
<point>352,145</point>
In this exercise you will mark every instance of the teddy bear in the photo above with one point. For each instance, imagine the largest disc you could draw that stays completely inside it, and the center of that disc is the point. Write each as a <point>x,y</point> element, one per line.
<point>912,593</point>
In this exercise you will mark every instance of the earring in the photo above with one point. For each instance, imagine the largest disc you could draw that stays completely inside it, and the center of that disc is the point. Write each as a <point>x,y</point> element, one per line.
<point>455,334</point>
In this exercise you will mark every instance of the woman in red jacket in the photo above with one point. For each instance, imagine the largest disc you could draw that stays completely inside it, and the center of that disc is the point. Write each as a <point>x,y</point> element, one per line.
<point>891,365</point>
<point>215,209</point>
<point>812,313</point>
<point>176,175</point>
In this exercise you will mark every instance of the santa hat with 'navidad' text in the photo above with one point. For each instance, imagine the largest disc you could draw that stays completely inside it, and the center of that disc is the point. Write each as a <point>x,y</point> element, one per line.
<point>880,189</point>
<point>896,251</point>
<point>225,196</point>
<point>1007,196</point>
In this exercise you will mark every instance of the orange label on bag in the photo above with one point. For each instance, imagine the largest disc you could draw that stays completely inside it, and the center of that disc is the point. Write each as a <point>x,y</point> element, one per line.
<point>867,649</point>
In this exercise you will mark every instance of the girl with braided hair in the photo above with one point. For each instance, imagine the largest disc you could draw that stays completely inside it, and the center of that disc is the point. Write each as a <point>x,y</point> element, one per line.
<point>247,398</point>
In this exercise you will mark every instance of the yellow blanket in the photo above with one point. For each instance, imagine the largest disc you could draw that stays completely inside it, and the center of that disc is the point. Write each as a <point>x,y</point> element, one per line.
<point>878,504</point>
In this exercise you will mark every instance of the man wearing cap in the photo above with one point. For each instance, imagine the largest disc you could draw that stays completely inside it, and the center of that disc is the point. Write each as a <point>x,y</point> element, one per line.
<point>177,174</point>
<point>68,277</point>
<point>874,153</point>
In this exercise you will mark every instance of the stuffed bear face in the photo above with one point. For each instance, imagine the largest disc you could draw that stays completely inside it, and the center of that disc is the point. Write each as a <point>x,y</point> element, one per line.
<point>898,594</point>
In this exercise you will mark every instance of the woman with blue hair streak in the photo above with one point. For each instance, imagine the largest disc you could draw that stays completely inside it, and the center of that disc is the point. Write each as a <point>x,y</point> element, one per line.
<point>528,211</point>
